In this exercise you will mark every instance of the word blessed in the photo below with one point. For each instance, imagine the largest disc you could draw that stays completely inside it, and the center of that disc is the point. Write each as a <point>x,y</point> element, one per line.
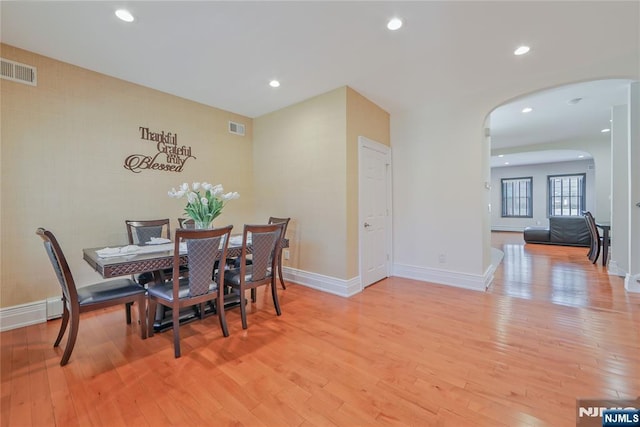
<point>170,157</point>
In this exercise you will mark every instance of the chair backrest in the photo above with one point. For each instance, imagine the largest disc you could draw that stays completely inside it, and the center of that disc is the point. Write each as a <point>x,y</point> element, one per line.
<point>275,220</point>
<point>186,222</point>
<point>593,229</point>
<point>140,232</point>
<point>60,266</point>
<point>265,242</point>
<point>204,248</point>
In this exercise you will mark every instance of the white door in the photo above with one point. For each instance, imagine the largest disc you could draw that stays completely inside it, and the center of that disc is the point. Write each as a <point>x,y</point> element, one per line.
<point>375,210</point>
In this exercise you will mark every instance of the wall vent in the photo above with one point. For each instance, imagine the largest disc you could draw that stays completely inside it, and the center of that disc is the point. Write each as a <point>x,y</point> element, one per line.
<point>236,128</point>
<point>18,72</point>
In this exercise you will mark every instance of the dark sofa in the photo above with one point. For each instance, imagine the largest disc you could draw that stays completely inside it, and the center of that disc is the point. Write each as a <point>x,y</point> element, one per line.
<point>562,230</point>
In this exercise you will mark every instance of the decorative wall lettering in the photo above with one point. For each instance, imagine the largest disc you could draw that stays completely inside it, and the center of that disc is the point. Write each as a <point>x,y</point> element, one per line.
<point>170,157</point>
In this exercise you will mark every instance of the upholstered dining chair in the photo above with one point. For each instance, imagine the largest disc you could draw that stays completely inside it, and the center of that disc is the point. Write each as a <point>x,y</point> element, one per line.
<point>204,248</point>
<point>88,298</point>
<point>186,223</point>
<point>141,232</point>
<point>265,244</point>
<point>596,241</point>
<point>285,221</point>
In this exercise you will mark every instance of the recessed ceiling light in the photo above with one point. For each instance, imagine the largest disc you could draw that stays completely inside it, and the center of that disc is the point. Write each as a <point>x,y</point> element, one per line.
<point>527,110</point>
<point>521,50</point>
<point>394,24</point>
<point>581,156</point>
<point>506,163</point>
<point>500,155</point>
<point>274,83</point>
<point>605,130</point>
<point>125,15</point>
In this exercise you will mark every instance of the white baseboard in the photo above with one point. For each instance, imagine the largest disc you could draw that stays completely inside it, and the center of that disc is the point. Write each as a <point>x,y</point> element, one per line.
<point>332,285</point>
<point>31,313</point>
<point>23,315</point>
<point>444,277</point>
<point>507,228</point>
<point>632,283</point>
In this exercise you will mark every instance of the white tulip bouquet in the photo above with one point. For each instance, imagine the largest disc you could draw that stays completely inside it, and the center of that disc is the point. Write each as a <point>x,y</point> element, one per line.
<point>203,207</point>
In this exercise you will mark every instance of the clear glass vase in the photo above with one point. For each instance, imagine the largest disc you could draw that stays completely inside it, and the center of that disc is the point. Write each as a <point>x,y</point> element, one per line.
<point>202,225</point>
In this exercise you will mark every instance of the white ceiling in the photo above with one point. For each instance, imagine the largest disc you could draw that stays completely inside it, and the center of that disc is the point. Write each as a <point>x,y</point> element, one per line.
<point>224,54</point>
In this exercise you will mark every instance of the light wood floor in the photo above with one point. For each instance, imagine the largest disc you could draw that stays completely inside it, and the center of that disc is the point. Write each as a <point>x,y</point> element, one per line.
<point>552,328</point>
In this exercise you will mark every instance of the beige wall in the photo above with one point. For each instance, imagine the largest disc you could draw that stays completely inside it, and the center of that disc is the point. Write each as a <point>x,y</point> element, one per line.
<point>315,147</point>
<point>63,145</point>
<point>364,118</point>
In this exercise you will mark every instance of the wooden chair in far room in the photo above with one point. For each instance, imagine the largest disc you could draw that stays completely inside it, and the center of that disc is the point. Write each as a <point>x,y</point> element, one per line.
<point>204,248</point>
<point>265,244</point>
<point>596,241</point>
<point>89,298</point>
<point>285,221</point>
<point>186,223</point>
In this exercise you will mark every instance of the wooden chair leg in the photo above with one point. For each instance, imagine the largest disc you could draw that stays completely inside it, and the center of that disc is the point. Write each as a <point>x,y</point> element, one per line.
<point>274,293</point>
<point>142,311</point>
<point>280,275</point>
<point>151,316</point>
<point>63,325</point>
<point>253,294</point>
<point>222,318</point>
<point>176,330</point>
<point>243,308</point>
<point>127,307</point>
<point>71,340</point>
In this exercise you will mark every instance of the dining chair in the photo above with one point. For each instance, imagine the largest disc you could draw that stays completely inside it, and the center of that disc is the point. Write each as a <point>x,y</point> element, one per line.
<point>89,298</point>
<point>204,248</point>
<point>285,221</point>
<point>264,244</point>
<point>139,232</point>
<point>186,223</point>
<point>596,241</point>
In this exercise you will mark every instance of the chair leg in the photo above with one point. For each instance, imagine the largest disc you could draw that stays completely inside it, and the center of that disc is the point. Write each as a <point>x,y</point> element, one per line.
<point>254,292</point>
<point>274,293</point>
<point>71,340</point>
<point>63,325</point>
<point>128,310</point>
<point>176,330</point>
<point>151,316</point>
<point>142,316</point>
<point>280,271</point>
<point>243,308</point>
<point>222,317</point>
<point>596,255</point>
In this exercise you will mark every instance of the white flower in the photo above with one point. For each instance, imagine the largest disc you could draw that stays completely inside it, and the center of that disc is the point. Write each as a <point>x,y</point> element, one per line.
<point>192,197</point>
<point>217,190</point>
<point>179,194</point>
<point>196,186</point>
<point>184,187</point>
<point>204,201</point>
<point>206,186</point>
<point>230,196</point>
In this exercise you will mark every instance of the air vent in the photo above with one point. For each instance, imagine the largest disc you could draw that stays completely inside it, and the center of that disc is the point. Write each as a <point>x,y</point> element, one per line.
<point>236,128</point>
<point>18,72</point>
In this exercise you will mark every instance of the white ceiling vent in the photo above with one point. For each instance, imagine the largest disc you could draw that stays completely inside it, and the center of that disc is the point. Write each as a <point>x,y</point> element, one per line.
<point>236,128</point>
<point>18,72</point>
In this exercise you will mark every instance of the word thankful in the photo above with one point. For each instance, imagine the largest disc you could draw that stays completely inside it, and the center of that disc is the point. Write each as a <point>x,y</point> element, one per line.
<point>170,157</point>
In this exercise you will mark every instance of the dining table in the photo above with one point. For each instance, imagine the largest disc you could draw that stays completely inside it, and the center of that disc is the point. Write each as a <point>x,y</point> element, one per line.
<point>126,260</point>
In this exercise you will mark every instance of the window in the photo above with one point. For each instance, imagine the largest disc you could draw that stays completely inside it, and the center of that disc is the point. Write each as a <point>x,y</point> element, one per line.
<point>516,197</point>
<point>566,194</point>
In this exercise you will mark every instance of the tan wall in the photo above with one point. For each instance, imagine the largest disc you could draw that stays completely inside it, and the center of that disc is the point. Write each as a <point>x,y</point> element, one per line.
<point>63,145</point>
<point>364,118</point>
<point>300,172</point>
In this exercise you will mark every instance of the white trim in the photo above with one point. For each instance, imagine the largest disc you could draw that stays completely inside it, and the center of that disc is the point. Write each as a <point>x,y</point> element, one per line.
<point>632,283</point>
<point>332,285</point>
<point>444,277</point>
<point>23,315</point>
<point>54,308</point>
<point>507,228</point>
<point>364,142</point>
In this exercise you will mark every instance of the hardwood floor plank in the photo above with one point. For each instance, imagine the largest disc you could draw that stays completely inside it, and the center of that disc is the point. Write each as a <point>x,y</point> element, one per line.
<point>551,328</point>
